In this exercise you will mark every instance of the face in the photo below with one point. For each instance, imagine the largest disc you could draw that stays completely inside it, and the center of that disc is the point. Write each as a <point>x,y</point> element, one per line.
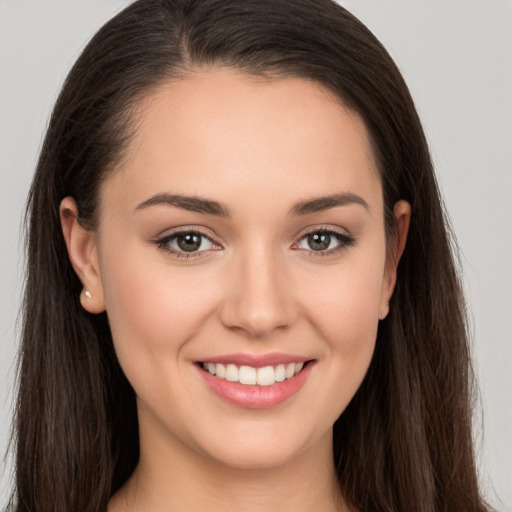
<point>243,235</point>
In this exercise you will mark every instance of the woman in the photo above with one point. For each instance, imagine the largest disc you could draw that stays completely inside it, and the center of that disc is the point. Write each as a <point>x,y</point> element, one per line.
<point>239,268</point>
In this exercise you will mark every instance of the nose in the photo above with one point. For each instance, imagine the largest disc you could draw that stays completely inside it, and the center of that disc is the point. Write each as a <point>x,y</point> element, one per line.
<point>258,296</point>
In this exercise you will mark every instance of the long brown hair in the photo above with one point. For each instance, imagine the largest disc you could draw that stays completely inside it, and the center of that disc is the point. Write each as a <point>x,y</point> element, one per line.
<point>404,442</point>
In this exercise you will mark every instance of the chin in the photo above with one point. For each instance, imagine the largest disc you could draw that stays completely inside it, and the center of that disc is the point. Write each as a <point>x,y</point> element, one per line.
<point>253,460</point>
<point>259,450</point>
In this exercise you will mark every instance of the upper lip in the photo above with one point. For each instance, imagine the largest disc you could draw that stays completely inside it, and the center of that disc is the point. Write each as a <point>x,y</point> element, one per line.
<point>256,360</point>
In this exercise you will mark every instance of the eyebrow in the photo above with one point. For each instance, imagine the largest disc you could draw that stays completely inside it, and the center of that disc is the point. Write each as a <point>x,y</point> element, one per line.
<point>190,203</point>
<point>327,202</point>
<point>203,205</point>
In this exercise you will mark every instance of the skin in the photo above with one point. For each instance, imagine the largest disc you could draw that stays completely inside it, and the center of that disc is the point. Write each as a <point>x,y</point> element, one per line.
<point>259,148</point>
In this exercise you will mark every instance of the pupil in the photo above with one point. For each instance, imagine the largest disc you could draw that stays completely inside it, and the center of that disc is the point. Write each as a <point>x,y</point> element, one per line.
<point>319,241</point>
<point>189,242</point>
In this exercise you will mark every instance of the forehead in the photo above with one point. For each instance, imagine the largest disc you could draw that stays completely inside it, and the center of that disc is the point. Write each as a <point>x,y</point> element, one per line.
<point>220,133</point>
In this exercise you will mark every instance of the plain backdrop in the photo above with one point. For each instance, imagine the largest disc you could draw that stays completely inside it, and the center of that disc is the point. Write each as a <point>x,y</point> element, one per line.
<point>456,56</point>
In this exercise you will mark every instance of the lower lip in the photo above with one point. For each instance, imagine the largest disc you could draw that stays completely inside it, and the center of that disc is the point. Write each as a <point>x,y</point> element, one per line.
<point>256,397</point>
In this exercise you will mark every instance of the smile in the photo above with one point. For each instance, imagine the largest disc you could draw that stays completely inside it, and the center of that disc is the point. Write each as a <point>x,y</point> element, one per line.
<point>248,375</point>
<point>255,382</point>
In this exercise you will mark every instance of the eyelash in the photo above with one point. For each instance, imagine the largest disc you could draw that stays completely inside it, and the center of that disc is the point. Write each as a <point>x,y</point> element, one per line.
<point>163,243</point>
<point>344,240</point>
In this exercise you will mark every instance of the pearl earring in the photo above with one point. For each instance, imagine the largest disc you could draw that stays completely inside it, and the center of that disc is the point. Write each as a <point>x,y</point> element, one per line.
<point>87,293</point>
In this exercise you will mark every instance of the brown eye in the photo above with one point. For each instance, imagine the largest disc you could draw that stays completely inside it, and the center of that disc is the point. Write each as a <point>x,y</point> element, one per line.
<point>186,242</point>
<point>189,242</point>
<point>319,241</point>
<point>325,241</point>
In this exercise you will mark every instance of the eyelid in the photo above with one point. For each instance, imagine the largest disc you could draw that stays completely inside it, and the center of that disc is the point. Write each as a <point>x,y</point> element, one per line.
<point>192,228</point>
<point>325,228</point>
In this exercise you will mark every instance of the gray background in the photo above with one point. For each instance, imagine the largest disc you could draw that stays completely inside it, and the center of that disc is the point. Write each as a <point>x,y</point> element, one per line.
<point>457,58</point>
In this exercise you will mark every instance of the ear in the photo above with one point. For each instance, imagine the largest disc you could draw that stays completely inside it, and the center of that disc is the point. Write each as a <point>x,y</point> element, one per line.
<point>83,254</point>
<point>402,216</point>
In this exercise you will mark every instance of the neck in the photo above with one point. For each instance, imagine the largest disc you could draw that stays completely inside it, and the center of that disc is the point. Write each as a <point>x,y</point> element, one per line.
<point>174,478</point>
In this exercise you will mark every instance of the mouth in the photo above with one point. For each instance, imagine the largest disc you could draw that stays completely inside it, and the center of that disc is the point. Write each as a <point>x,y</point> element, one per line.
<point>252,376</point>
<point>253,383</point>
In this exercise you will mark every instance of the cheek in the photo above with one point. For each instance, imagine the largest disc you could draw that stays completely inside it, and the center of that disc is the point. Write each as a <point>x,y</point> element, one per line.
<point>343,307</point>
<point>346,306</point>
<point>347,319</point>
<point>152,309</point>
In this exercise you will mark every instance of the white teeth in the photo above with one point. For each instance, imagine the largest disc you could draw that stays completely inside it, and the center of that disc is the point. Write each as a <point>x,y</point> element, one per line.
<point>290,371</point>
<point>265,376</point>
<point>247,375</point>
<point>220,370</point>
<point>280,373</point>
<point>231,373</point>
